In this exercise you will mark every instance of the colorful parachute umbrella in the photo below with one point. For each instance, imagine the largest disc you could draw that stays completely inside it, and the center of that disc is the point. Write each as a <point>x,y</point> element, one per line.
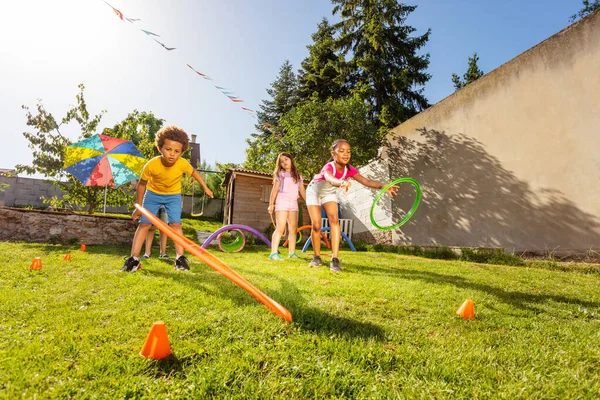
<point>102,160</point>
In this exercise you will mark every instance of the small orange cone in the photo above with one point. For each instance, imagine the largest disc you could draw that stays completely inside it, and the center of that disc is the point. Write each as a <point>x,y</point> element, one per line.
<point>467,310</point>
<point>157,343</point>
<point>67,257</point>
<point>82,247</point>
<point>36,264</point>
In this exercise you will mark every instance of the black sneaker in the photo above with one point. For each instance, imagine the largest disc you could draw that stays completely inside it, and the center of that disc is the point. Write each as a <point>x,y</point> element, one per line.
<point>131,265</point>
<point>316,262</point>
<point>181,264</point>
<point>164,256</point>
<point>334,265</point>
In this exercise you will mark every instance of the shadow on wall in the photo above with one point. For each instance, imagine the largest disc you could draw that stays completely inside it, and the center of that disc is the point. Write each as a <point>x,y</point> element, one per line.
<point>470,199</point>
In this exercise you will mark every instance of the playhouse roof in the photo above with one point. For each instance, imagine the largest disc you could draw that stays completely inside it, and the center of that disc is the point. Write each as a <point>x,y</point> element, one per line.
<point>233,172</point>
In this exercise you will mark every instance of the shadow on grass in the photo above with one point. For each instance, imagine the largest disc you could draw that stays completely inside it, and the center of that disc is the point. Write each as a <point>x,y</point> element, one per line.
<point>170,367</point>
<point>306,318</point>
<point>521,300</point>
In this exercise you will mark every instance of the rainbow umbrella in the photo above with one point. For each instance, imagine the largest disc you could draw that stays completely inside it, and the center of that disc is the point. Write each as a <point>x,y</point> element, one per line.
<point>102,160</point>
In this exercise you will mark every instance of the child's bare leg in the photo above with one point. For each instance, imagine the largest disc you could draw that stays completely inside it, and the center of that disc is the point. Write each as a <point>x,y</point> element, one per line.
<point>331,209</point>
<point>163,244</point>
<point>292,227</point>
<point>315,234</point>
<point>139,238</point>
<point>280,218</point>
<point>179,250</point>
<point>149,239</point>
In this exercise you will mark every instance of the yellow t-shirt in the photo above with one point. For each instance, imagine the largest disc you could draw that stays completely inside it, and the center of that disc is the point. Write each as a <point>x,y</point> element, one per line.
<point>165,180</point>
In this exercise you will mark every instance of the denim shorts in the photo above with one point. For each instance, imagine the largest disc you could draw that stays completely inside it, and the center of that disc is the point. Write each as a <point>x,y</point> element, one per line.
<point>172,203</point>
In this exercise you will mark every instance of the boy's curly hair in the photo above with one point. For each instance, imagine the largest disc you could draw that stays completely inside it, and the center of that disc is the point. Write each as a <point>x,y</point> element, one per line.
<point>174,133</point>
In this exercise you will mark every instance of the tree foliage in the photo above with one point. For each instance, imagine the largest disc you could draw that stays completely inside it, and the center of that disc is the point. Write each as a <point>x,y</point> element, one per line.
<point>588,8</point>
<point>311,128</point>
<point>385,69</point>
<point>322,74</point>
<point>140,128</point>
<point>362,77</point>
<point>473,73</point>
<point>264,145</point>
<point>48,145</point>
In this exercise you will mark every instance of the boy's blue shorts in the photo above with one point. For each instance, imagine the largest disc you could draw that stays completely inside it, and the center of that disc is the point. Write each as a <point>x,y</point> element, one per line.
<point>172,203</point>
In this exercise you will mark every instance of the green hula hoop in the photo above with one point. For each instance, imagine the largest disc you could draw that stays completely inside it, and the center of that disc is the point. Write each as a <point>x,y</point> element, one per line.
<point>410,212</point>
<point>235,246</point>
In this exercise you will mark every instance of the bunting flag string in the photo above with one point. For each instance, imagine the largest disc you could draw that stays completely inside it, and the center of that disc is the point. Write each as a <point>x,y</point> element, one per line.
<point>227,92</point>
<point>150,33</point>
<point>168,48</point>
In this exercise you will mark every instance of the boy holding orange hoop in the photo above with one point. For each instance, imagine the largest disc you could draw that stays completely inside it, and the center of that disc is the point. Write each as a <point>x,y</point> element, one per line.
<point>160,185</point>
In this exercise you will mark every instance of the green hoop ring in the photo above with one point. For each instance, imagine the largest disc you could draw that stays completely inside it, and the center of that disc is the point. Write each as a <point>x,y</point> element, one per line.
<point>410,212</point>
<point>235,246</point>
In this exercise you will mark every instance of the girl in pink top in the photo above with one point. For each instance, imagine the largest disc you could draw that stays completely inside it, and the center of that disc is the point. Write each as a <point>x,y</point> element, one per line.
<point>287,184</point>
<point>322,191</point>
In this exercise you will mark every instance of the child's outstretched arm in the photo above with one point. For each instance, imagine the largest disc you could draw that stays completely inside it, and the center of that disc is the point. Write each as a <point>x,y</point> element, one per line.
<point>139,197</point>
<point>274,192</point>
<point>392,191</point>
<point>196,175</point>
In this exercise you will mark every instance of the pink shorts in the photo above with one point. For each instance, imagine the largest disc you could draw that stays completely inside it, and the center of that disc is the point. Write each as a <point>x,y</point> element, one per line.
<point>285,202</point>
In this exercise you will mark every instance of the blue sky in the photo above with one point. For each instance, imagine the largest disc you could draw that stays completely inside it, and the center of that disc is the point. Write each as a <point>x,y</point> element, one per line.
<point>49,47</point>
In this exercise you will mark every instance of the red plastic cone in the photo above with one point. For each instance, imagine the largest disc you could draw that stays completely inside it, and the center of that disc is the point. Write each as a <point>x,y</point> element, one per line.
<point>157,343</point>
<point>36,264</point>
<point>82,247</point>
<point>467,310</point>
<point>67,257</point>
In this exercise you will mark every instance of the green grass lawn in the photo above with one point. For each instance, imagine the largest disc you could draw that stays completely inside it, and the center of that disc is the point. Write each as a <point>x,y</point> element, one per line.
<point>384,328</point>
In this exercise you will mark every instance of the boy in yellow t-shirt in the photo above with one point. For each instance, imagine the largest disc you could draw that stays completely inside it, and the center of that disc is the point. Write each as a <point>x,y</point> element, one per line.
<point>160,185</point>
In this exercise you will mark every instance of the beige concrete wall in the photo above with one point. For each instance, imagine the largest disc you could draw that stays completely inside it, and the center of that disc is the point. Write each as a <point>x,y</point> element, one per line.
<point>513,159</point>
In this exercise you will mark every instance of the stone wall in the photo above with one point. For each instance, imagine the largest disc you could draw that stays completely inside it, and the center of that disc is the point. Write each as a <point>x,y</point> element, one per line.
<point>57,227</point>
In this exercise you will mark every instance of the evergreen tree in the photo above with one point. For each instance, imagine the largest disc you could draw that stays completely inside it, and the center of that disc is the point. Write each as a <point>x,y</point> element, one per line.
<point>321,74</point>
<point>263,146</point>
<point>588,8</point>
<point>385,69</point>
<point>473,73</point>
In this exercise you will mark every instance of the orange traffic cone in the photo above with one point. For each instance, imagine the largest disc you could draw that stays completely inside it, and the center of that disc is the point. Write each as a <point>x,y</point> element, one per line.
<point>157,343</point>
<point>82,247</point>
<point>467,310</point>
<point>67,257</point>
<point>36,264</point>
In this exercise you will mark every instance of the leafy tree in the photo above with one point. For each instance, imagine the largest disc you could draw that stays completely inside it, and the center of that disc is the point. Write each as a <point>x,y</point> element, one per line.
<point>48,148</point>
<point>322,72</point>
<point>588,8</point>
<point>473,73</point>
<point>141,129</point>
<point>385,69</point>
<point>312,127</point>
<point>264,145</point>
